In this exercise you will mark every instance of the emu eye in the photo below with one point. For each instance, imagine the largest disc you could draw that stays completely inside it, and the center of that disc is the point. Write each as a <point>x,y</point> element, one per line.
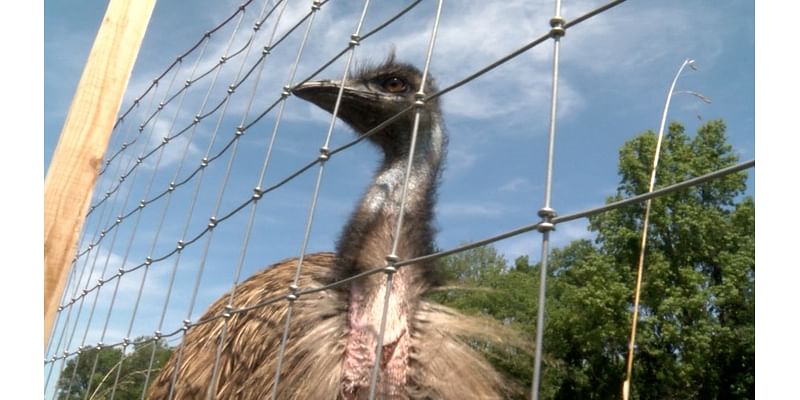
<point>395,85</point>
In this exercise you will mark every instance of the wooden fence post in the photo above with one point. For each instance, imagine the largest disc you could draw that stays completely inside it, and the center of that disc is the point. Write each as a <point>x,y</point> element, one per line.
<point>84,138</point>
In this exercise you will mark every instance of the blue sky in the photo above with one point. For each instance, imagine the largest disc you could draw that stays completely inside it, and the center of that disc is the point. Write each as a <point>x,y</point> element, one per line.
<point>615,71</point>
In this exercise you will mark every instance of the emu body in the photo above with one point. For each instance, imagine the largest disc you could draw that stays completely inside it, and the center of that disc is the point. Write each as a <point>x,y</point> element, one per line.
<point>331,346</point>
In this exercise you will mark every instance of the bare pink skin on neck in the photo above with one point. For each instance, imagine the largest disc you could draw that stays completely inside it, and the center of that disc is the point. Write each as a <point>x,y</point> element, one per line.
<point>383,202</point>
<point>365,320</point>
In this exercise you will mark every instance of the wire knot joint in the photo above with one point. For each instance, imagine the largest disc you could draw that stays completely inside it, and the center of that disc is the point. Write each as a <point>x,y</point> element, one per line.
<point>547,214</point>
<point>419,99</point>
<point>324,154</point>
<point>557,29</point>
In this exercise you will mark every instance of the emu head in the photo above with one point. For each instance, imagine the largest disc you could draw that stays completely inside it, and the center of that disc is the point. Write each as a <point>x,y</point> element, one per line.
<point>375,94</point>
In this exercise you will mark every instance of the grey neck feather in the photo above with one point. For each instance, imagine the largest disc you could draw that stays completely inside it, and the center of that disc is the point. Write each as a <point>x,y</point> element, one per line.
<point>367,239</point>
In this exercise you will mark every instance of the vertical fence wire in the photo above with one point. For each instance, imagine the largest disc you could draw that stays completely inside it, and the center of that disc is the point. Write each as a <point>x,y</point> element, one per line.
<point>392,257</point>
<point>148,260</point>
<point>239,131</point>
<point>125,202</point>
<point>115,194</point>
<point>189,215</point>
<point>192,128</point>
<point>324,154</point>
<point>76,279</point>
<point>204,47</point>
<point>94,303</point>
<point>110,249</point>
<point>164,212</point>
<point>200,43</point>
<point>546,212</point>
<point>284,95</point>
<point>73,280</point>
<point>121,270</point>
<point>198,118</point>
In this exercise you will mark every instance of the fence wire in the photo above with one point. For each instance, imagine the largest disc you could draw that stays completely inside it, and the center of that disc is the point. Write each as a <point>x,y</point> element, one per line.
<point>112,209</point>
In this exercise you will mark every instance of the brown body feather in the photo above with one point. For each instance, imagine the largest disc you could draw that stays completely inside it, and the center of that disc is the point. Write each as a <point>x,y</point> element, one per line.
<point>442,364</point>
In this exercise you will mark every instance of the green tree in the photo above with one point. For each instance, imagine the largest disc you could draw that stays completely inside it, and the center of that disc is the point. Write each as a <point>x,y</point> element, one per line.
<point>481,282</point>
<point>696,337</point>
<point>77,376</point>
<point>697,312</point>
<point>586,325</point>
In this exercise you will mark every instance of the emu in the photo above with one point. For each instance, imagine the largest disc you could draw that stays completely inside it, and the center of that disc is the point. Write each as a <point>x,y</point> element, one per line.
<point>332,341</point>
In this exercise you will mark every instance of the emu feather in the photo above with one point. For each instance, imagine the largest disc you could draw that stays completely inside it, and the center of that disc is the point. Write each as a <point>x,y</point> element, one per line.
<point>332,339</point>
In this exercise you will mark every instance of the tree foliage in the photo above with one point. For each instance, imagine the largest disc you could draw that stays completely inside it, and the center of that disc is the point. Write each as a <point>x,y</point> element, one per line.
<point>698,301</point>
<point>482,283</point>
<point>96,370</point>
<point>696,333</point>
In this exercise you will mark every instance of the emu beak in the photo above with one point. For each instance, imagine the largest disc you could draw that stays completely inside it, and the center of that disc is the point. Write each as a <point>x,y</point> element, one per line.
<point>324,93</point>
<point>321,93</point>
<point>359,107</point>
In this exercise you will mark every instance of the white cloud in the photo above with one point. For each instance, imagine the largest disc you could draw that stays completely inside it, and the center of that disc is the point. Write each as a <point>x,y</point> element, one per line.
<point>530,244</point>
<point>453,209</point>
<point>515,185</point>
<point>599,49</point>
<point>471,36</point>
<point>123,291</point>
<point>109,181</point>
<point>460,160</point>
<point>568,232</point>
<point>172,152</point>
<point>111,262</point>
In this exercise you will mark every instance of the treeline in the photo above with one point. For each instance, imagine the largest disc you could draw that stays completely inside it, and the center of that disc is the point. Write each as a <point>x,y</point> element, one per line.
<point>696,333</point>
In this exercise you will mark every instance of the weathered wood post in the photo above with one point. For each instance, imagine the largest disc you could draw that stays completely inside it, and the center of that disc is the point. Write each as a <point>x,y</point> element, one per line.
<point>84,138</point>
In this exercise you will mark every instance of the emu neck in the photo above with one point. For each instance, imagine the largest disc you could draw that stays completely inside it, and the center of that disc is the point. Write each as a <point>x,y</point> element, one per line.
<point>369,235</point>
<point>365,244</point>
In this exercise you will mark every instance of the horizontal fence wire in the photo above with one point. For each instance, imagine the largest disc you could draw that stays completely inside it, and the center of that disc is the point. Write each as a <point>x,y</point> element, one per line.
<point>248,229</point>
<point>392,257</point>
<point>205,162</point>
<point>203,39</point>
<point>292,292</point>
<point>259,192</point>
<point>443,253</point>
<point>356,37</point>
<point>198,117</point>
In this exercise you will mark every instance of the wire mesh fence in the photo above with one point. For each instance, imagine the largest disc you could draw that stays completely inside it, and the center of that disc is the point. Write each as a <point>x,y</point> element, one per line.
<point>177,218</point>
